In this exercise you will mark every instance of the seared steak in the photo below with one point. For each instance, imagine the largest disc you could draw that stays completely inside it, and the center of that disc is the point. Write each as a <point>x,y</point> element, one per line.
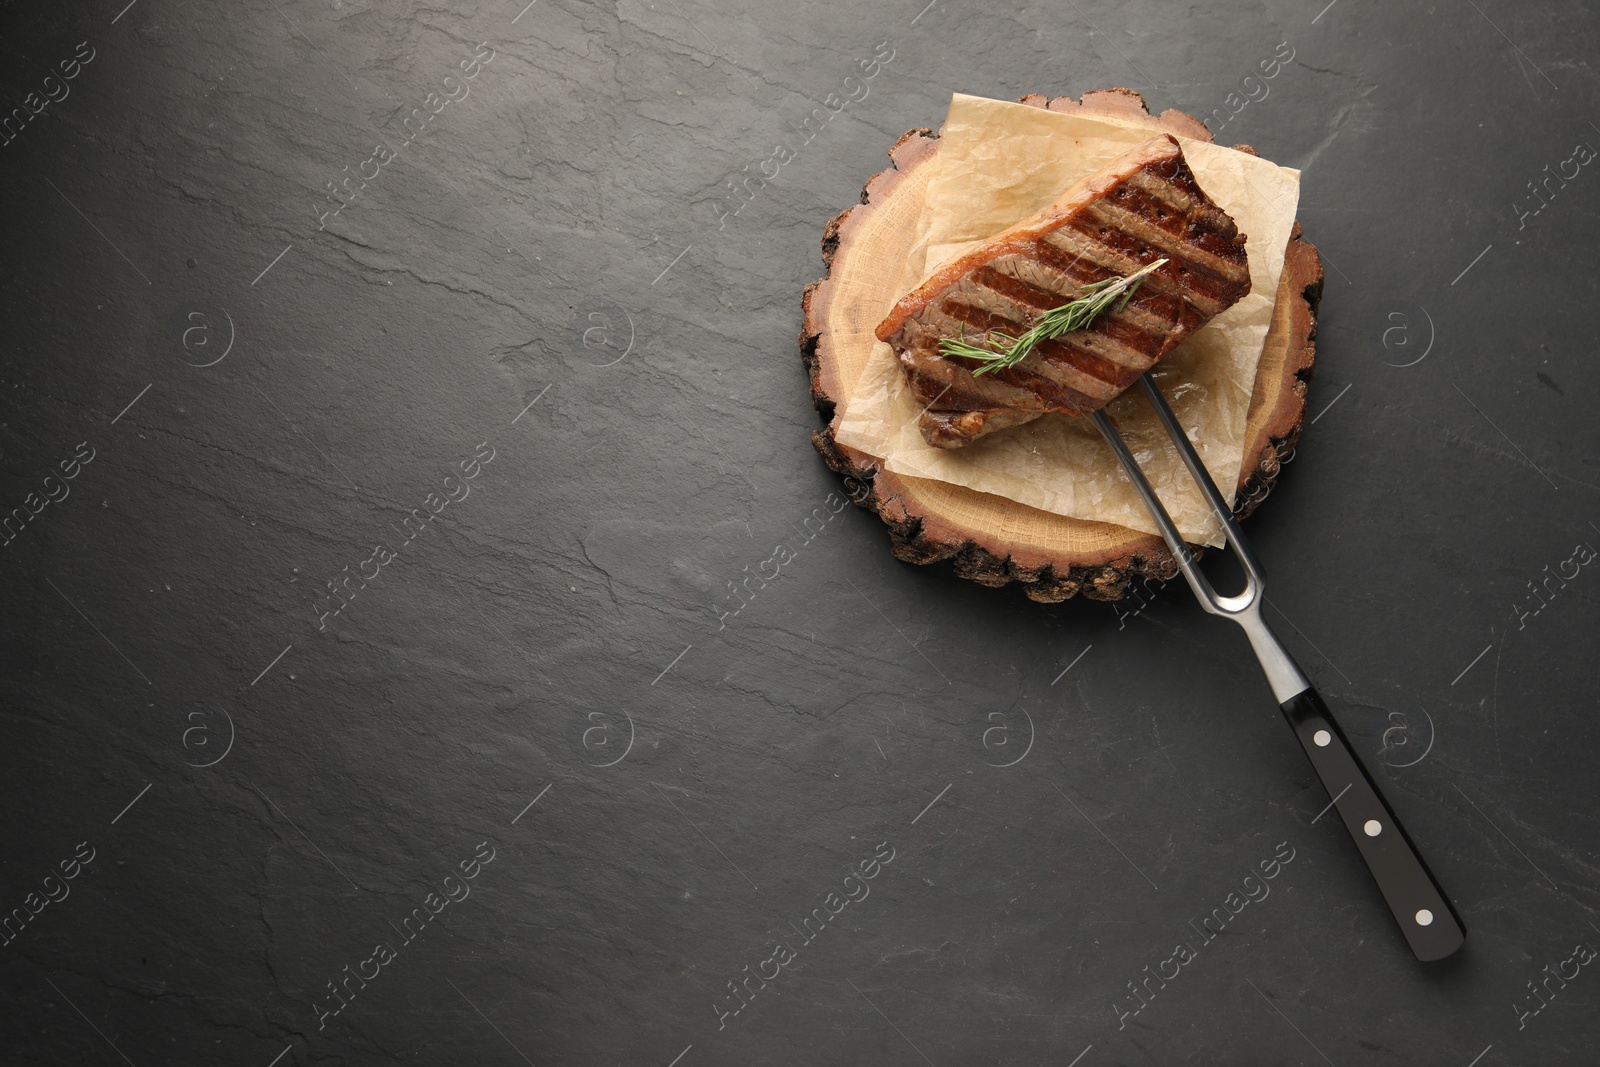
<point>1143,207</point>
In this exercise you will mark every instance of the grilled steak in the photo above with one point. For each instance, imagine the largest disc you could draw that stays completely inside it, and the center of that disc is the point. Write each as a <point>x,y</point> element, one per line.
<point>1144,206</point>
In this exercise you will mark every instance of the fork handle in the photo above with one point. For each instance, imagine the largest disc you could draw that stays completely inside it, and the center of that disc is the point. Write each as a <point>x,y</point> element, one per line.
<point>1425,916</point>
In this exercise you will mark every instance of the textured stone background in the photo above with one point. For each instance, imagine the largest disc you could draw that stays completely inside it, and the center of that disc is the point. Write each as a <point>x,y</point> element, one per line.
<point>552,240</point>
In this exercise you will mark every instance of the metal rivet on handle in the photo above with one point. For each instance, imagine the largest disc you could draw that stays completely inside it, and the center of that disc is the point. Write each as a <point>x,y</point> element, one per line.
<point>1373,827</point>
<point>1424,917</point>
<point>1323,738</point>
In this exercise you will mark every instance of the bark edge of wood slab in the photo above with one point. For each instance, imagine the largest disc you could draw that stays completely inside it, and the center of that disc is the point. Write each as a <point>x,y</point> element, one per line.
<point>931,521</point>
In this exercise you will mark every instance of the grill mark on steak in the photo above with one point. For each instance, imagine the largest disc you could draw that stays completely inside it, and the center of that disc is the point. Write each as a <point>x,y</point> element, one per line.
<point>1211,232</point>
<point>964,388</point>
<point>1122,336</point>
<point>1107,378</point>
<point>1034,297</point>
<point>1146,312</point>
<point>1206,290</point>
<point>1122,255</point>
<point>1145,206</point>
<point>1103,353</point>
<point>1185,201</point>
<point>976,312</point>
<point>1069,244</point>
<point>1048,384</point>
<point>1187,249</point>
<point>1113,338</point>
<point>1153,309</point>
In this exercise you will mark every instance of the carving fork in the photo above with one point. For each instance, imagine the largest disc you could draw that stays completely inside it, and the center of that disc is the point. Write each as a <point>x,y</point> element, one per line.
<point>1425,915</point>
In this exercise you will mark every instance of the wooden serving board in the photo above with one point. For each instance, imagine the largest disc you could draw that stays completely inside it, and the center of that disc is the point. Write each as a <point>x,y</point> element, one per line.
<point>990,539</point>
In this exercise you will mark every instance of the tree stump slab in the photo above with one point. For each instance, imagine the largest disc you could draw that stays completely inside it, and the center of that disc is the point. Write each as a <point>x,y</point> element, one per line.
<point>990,539</point>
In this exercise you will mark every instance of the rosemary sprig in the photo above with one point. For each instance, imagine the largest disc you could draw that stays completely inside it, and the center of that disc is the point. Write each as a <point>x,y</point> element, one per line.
<point>998,350</point>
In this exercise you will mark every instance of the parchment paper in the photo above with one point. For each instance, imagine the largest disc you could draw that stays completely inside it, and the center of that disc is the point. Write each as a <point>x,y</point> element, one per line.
<point>999,163</point>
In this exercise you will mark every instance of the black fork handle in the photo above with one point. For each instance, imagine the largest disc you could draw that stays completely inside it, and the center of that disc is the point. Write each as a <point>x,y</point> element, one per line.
<point>1425,916</point>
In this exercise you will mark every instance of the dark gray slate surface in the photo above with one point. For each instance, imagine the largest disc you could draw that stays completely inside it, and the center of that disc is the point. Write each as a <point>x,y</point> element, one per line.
<point>267,796</point>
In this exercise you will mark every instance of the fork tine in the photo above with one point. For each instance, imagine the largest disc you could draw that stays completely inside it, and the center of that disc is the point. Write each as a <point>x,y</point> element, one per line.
<point>1255,581</point>
<point>1169,530</point>
<point>1208,487</point>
